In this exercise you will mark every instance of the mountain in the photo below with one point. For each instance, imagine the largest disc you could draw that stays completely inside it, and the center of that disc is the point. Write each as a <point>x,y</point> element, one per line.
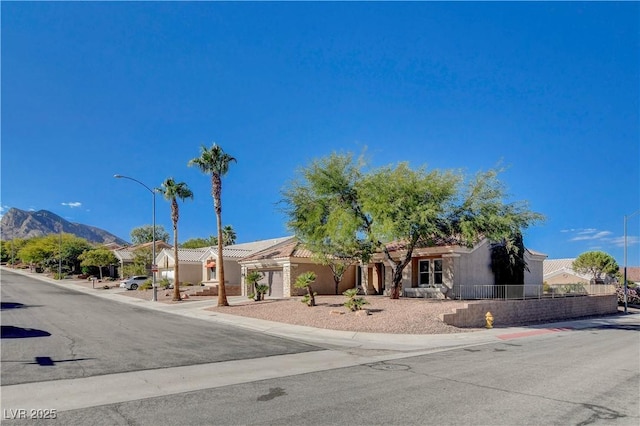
<point>17,223</point>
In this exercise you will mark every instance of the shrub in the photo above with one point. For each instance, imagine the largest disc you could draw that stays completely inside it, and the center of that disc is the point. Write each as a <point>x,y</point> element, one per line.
<point>147,285</point>
<point>305,280</point>
<point>633,297</point>
<point>165,283</point>
<point>252,279</point>
<point>353,302</point>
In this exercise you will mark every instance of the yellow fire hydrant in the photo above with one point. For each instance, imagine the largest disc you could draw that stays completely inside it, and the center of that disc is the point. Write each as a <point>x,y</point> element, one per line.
<point>489,318</point>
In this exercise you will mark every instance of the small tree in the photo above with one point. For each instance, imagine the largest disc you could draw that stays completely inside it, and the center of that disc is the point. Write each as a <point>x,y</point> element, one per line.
<point>596,263</point>
<point>252,279</point>
<point>98,257</point>
<point>354,303</point>
<point>144,234</point>
<point>305,280</point>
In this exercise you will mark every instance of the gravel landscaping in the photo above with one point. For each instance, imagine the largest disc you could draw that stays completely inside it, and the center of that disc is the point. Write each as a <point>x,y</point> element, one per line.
<point>402,316</point>
<point>380,315</point>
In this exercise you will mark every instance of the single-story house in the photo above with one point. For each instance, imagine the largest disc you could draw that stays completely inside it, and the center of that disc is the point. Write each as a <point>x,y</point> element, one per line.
<point>126,255</point>
<point>560,271</point>
<point>451,269</point>
<point>190,261</point>
<point>445,269</point>
<point>206,267</point>
<point>633,274</point>
<point>282,263</point>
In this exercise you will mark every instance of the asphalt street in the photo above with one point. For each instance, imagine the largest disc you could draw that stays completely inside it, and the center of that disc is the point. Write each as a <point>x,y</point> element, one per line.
<point>572,373</point>
<point>80,335</point>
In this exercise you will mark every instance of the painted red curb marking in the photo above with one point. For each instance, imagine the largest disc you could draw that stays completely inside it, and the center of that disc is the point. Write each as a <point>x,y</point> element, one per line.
<point>531,333</point>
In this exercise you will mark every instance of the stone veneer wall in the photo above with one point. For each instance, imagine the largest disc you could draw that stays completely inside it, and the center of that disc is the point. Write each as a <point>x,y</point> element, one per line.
<point>513,312</point>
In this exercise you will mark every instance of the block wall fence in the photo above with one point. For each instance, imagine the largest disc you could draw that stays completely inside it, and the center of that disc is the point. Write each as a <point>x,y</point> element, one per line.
<point>515,312</point>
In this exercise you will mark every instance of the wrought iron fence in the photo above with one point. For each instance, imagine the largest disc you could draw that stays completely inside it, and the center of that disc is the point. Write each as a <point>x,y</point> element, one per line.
<point>527,291</point>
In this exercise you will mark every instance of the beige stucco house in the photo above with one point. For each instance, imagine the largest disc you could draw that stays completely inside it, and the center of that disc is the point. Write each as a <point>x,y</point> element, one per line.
<point>190,261</point>
<point>126,255</point>
<point>447,269</point>
<point>560,271</point>
<point>200,266</point>
<point>452,269</point>
<point>281,265</point>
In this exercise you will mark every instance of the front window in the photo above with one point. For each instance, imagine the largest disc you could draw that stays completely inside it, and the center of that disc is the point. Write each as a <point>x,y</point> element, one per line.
<point>429,272</point>
<point>212,273</point>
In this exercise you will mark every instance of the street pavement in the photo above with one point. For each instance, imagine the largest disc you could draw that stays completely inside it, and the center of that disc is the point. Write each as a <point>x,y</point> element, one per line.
<point>340,350</point>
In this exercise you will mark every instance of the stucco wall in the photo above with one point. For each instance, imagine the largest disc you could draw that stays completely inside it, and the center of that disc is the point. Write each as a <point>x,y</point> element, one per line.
<point>324,283</point>
<point>189,273</point>
<point>535,274</point>
<point>474,268</point>
<point>513,312</point>
<point>566,278</point>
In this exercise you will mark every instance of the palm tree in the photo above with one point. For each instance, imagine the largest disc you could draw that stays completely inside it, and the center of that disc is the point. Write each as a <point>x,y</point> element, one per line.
<point>228,235</point>
<point>173,190</point>
<point>215,161</point>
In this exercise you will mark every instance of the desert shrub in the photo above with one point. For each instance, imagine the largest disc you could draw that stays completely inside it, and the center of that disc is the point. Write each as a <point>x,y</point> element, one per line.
<point>354,303</point>
<point>147,285</point>
<point>165,283</point>
<point>252,279</point>
<point>305,280</point>
<point>633,296</point>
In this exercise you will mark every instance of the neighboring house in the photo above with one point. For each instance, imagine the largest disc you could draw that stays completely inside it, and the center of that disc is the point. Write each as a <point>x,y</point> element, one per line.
<point>452,269</point>
<point>190,261</point>
<point>560,271</point>
<point>633,274</point>
<point>125,255</point>
<point>281,265</point>
<point>233,276</point>
<point>443,269</point>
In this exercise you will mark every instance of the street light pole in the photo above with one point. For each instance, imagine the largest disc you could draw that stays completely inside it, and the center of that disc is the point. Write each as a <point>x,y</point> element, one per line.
<point>626,288</point>
<point>153,249</point>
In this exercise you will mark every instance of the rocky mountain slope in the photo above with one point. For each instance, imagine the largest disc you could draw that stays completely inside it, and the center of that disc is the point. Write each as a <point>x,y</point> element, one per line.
<point>18,223</point>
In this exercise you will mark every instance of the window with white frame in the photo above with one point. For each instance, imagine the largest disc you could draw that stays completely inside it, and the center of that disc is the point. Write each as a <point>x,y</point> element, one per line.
<point>429,272</point>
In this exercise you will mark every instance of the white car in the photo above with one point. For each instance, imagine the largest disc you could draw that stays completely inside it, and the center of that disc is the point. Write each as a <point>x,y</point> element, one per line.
<point>134,282</point>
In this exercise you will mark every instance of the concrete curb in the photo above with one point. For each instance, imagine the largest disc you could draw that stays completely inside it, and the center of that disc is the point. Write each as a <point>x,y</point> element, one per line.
<point>335,338</point>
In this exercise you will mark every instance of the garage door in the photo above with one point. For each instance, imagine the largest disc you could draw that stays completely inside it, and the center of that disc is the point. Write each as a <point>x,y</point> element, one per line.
<point>273,279</point>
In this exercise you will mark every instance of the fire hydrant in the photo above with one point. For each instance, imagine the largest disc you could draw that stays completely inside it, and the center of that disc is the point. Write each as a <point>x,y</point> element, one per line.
<point>489,318</point>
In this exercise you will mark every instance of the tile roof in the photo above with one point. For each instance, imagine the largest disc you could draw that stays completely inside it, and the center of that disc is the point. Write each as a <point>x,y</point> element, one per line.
<point>549,266</point>
<point>126,253</point>
<point>633,273</point>
<point>187,255</point>
<point>242,250</point>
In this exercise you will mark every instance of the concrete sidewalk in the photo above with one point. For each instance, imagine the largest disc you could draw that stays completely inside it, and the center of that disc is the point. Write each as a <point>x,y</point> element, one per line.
<point>334,339</point>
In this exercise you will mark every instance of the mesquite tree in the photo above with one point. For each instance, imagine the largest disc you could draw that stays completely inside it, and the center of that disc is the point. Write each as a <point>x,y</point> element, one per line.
<point>334,199</point>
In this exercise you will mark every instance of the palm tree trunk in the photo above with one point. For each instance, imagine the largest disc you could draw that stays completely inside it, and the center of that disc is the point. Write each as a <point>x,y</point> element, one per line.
<point>176,276</point>
<point>222,294</point>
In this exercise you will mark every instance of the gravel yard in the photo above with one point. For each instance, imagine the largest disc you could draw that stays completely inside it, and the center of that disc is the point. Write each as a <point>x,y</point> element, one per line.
<point>402,316</point>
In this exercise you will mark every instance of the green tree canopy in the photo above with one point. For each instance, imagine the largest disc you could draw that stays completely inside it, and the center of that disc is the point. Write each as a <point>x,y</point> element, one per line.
<point>228,238</point>
<point>193,243</point>
<point>596,263</point>
<point>335,203</point>
<point>36,251</point>
<point>99,257</point>
<point>11,248</point>
<point>144,234</point>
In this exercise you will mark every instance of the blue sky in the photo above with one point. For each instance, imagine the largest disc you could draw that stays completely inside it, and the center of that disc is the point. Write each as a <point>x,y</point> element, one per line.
<point>549,89</point>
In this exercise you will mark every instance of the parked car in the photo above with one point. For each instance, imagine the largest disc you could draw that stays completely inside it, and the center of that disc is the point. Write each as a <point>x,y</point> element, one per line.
<point>134,282</point>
